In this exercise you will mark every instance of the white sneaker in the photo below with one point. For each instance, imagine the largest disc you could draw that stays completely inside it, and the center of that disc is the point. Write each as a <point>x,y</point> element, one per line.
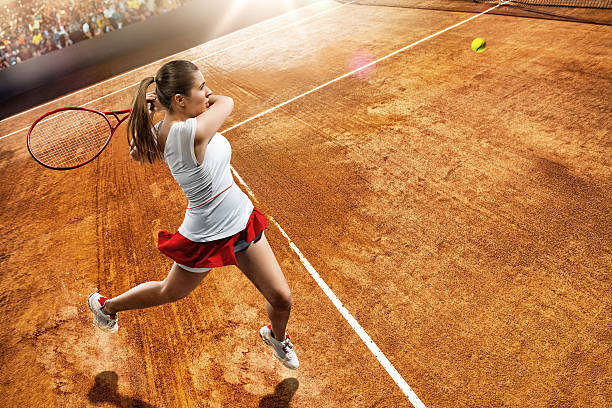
<point>283,349</point>
<point>101,320</point>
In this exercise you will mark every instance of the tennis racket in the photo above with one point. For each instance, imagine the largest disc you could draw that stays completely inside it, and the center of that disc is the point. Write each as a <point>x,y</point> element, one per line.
<point>68,138</point>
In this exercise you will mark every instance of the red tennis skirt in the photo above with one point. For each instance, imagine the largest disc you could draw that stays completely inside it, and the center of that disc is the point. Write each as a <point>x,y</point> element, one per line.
<point>210,254</point>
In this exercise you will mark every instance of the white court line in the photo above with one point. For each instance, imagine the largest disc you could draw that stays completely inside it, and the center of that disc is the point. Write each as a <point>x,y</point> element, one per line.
<point>183,52</point>
<point>380,356</point>
<point>360,69</point>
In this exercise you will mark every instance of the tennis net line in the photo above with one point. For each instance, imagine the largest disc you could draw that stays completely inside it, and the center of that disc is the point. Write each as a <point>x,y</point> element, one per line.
<point>588,4</point>
<point>598,4</point>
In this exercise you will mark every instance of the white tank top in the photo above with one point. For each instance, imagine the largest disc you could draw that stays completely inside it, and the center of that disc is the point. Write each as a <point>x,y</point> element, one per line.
<point>217,206</point>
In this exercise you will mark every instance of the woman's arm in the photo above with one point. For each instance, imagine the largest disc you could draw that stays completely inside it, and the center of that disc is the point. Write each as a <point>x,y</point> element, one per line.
<point>209,122</point>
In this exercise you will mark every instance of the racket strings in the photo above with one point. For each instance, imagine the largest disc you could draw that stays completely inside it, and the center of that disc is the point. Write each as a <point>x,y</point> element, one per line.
<point>69,138</point>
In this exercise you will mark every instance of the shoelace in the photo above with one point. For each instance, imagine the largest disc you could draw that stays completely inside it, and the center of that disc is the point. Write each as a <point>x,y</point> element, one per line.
<point>286,345</point>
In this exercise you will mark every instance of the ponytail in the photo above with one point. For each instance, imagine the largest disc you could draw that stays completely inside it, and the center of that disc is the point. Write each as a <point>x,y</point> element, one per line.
<point>140,133</point>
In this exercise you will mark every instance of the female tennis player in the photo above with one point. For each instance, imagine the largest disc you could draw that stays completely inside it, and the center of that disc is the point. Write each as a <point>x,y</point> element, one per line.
<point>221,226</point>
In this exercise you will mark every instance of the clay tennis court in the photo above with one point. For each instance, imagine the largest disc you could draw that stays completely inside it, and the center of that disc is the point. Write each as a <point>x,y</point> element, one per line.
<point>457,204</point>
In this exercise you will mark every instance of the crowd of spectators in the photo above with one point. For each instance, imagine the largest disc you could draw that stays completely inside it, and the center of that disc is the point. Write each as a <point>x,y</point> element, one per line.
<point>30,28</point>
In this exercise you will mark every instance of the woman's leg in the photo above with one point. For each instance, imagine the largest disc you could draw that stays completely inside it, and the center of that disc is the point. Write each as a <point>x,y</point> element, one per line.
<point>259,264</point>
<point>178,284</point>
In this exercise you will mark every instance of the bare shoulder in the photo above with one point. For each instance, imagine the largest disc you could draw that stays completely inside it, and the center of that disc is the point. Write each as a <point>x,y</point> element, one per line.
<point>163,129</point>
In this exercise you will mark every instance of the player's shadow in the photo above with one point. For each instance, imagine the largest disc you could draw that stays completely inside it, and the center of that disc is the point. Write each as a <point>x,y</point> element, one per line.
<point>105,390</point>
<point>282,394</point>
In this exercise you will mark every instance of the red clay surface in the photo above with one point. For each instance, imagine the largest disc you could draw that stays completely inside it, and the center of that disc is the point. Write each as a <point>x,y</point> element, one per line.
<point>458,204</point>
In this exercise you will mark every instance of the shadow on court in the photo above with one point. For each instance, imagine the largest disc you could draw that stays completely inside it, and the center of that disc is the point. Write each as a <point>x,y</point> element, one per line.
<point>105,390</point>
<point>282,394</point>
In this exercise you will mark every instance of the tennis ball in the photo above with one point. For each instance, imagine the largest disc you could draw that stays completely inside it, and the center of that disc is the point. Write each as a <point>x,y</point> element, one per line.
<point>479,44</point>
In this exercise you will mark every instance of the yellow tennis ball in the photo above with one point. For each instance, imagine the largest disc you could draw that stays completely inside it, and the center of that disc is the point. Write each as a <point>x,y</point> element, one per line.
<point>479,44</point>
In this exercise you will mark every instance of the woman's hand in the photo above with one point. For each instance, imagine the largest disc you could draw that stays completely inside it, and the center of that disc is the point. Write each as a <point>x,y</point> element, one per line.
<point>154,104</point>
<point>212,98</point>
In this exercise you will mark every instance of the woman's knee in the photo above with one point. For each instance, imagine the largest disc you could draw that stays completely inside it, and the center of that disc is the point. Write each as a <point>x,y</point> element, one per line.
<point>281,300</point>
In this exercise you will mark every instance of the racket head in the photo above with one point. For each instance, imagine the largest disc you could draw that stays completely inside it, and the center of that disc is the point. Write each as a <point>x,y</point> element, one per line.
<point>70,137</point>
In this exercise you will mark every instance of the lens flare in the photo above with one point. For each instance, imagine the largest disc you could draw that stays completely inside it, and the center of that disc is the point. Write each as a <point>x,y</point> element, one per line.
<point>359,59</point>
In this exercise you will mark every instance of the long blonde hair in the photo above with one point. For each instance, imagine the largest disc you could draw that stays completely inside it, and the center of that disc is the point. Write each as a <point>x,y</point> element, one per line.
<point>174,77</point>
